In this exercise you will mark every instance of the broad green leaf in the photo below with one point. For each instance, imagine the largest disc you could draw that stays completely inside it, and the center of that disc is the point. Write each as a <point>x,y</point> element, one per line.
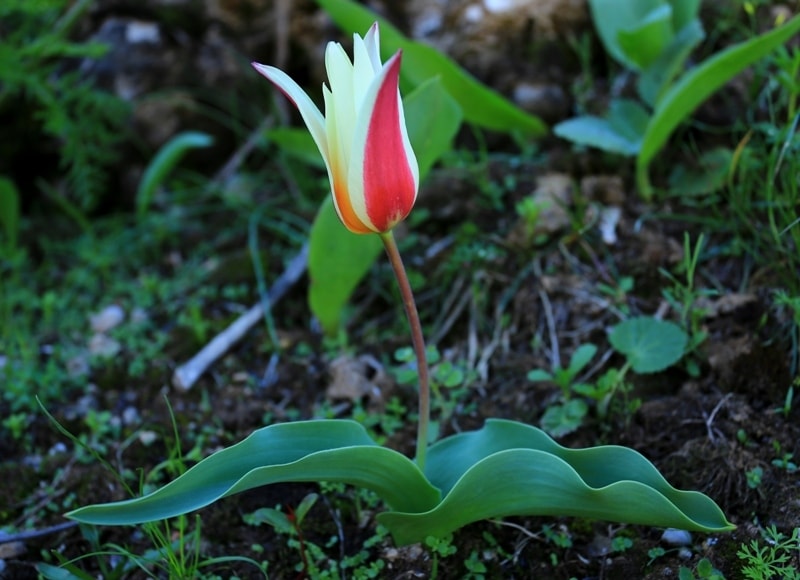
<point>710,174</point>
<point>298,143</point>
<point>9,211</point>
<point>694,87</point>
<point>612,16</point>
<point>335,451</point>
<point>629,119</point>
<point>508,468</point>
<point>645,41</point>
<point>480,104</point>
<point>337,261</point>
<point>650,345</point>
<point>433,118</point>
<point>656,78</point>
<point>596,132</point>
<point>165,161</point>
<point>684,12</point>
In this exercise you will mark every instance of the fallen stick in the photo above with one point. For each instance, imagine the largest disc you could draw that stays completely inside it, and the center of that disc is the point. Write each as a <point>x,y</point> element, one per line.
<point>187,374</point>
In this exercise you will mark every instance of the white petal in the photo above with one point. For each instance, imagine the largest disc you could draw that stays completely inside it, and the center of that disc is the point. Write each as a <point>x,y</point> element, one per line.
<point>340,108</point>
<point>308,110</point>
<point>363,71</point>
<point>372,42</point>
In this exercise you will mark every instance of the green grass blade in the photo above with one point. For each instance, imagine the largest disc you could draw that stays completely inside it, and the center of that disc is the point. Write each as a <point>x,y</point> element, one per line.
<point>696,86</point>
<point>164,161</point>
<point>9,211</point>
<point>336,451</point>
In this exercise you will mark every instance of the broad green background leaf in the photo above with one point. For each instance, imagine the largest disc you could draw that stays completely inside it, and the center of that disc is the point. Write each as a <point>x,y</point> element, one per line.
<point>433,118</point>
<point>645,41</point>
<point>710,175</point>
<point>612,16</point>
<point>680,100</point>
<point>620,132</point>
<point>331,450</point>
<point>628,119</point>
<point>656,78</point>
<point>298,143</point>
<point>508,468</point>
<point>596,132</point>
<point>339,259</point>
<point>650,345</point>
<point>683,12</point>
<point>9,211</point>
<point>480,105</point>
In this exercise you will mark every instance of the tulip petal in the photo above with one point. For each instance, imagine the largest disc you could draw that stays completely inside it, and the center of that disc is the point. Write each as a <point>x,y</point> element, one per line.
<point>337,174</point>
<point>372,44</point>
<point>308,110</point>
<point>383,174</point>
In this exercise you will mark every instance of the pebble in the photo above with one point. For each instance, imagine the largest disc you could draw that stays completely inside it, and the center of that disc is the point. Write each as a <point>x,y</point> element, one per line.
<point>109,317</point>
<point>104,346</point>
<point>675,537</point>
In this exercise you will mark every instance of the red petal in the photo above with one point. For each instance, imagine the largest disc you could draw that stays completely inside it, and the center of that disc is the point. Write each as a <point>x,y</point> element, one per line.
<point>390,187</point>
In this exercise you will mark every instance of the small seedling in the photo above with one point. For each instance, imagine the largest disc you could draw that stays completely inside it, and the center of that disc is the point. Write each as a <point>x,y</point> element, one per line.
<point>773,558</point>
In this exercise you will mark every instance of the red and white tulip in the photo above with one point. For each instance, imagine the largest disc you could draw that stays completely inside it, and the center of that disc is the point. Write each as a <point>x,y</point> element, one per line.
<point>362,136</point>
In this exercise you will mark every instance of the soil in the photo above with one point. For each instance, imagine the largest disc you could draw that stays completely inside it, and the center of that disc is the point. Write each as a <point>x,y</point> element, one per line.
<point>704,430</point>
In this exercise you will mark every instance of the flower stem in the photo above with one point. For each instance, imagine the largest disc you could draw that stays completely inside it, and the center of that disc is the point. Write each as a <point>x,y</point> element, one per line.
<point>417,340</point>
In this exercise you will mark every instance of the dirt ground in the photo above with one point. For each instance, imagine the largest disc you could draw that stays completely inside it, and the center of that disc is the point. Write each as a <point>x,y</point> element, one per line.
<point>494,301</point>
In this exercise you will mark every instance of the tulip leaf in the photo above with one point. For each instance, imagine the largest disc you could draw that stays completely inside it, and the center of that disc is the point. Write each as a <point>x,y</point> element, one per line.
<point>298,143</point>
<point>658,76</point>
<point>610,19</point>
<point>334,450</point>
<point>596,132</point>
<point>433,118</point>
<point>644,42</point>
<point>337,261</point>
<point>682,98</point>
<point>480,104</point>
<point>509,468</point>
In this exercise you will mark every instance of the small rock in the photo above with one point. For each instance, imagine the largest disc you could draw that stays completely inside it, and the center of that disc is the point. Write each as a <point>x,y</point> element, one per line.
<point>57,449</point>
<point>108,318</point>
<point>147,438</point>
<point>12,550</point>
<point>548,101</point>
<point>78,366</point>
<point>138,31</point>
<point>606,189</point>
<point>609,219</point>
<point>130,416</point>
<point>547,207</point>
<point>676,537</point>
<point>104,346</point>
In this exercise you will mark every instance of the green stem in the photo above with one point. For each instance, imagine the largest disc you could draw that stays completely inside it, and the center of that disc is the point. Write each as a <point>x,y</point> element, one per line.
<point>417,340</point>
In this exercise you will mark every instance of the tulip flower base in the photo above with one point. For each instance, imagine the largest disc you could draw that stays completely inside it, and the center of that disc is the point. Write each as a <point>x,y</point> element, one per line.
<point>506,468</point>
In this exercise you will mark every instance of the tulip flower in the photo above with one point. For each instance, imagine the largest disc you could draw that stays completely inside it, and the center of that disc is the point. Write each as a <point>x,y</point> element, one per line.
<point>362,136</point>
